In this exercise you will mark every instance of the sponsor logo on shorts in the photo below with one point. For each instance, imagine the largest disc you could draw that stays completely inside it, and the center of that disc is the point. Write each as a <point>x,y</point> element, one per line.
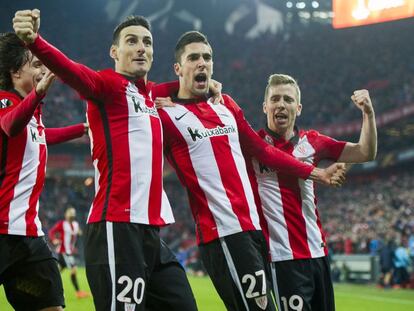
<point>261,302</point>
<point>130,306</point>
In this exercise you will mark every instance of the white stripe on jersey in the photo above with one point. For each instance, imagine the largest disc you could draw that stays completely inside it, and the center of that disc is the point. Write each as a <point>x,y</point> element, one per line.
<point>217,200</point>
<point>309,214</point>
<point>307,193</point>
<point>24,187</point>
<point>166,210</point>
<point>223,113</point>
<point>269,191</point>
<point>140,158</point>
<point>97,176</point>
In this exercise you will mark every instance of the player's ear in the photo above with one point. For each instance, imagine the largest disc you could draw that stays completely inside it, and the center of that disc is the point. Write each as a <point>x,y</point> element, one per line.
<point>15,74</point>
<point>299,110</point>
<point>177,69</point>
<point>264,108</point>
<point>113,52</point>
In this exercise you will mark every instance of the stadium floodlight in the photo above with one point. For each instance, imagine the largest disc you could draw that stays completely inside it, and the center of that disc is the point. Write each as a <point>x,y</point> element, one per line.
<point>351,13</point>
<point>300,5</point>
<point>289,4</point>
<point>315,4</point>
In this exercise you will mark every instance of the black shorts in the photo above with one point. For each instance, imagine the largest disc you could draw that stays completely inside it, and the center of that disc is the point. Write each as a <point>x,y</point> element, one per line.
<point>303,284</point>
<point>239,270</point>
<point>129,268</point>
<point>29,273</point>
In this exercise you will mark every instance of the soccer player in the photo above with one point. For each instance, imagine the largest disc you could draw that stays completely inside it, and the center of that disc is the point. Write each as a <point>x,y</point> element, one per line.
<point>204,143</point>
<point>300,266</point>
<point>63,236</point>
<point>127,265</point>
<point>28,270</point>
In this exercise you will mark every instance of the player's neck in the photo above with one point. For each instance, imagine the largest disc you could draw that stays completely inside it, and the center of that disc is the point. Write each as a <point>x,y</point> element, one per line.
<point>185,94</point>
<point>22,92</point>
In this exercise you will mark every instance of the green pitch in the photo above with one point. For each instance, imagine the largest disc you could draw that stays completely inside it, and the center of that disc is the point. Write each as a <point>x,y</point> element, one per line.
<point>348,297</point>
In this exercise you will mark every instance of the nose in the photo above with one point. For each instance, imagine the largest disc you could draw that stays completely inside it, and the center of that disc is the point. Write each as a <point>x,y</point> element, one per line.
<point>43,69</point>
<point>201,63</point>
<point>280,103</point>
<point>141,47</point>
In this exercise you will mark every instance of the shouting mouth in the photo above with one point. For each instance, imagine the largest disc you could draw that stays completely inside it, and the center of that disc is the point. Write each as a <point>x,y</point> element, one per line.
<point>201,80</point>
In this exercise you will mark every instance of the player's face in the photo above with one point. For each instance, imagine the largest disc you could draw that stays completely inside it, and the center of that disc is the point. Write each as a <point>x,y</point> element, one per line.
<point>134,53</point>
<point>195,70</point>
<point>282,107</point>
<point>30,74</point>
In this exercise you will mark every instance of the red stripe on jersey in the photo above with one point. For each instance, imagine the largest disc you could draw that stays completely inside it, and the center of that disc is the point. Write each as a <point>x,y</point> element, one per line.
<point>201,212</point>
<point>15,153</point>
<point>292,210</point>
<point>155,195</point>
<point>225,163</point>
<point>119,162</point>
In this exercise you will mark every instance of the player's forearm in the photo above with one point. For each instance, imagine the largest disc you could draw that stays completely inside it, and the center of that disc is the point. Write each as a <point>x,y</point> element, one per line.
<point>62,134</point>
<point>165,89</point>
<point>368,138</point>
<point>17,119</point>
<point>78,76</point>
<point>269,155</point>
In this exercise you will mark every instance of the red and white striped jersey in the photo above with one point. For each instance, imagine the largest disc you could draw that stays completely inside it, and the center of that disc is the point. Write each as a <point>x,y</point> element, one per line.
<point>66,232</point>
<point>288,203</point>
<point>22,171</point>
<point>204,142</point>
<point>126,141</point>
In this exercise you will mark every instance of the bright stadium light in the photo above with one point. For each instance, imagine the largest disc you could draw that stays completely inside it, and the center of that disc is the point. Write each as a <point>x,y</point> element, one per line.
<point>315,4</point>
<point>301,5</point>
<point>289,4</point>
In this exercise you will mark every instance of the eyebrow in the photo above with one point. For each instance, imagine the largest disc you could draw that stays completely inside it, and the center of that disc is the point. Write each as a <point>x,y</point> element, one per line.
<point>135,36</point>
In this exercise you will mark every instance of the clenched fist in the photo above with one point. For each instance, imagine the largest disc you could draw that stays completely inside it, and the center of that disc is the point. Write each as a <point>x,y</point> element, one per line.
<point>26,24</point>
<point>362,100</point>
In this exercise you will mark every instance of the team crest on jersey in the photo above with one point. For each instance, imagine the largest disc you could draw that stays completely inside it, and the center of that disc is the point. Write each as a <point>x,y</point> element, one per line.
<point>303,149</point>
<point>36,137</point>
<point>269,140</point>
<point>5,102</point>
<point>261,302</point>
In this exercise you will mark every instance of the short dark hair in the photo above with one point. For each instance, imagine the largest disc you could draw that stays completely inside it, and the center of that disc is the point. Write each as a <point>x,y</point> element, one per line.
<point>186,39</point>
<point>13,55</point>
<point>130,21</point>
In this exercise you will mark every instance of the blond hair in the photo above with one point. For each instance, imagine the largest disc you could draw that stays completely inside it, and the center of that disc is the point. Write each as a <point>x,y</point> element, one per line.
<point>282,79</point>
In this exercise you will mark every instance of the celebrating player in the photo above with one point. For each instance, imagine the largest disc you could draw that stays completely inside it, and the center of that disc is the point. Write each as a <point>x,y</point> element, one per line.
<point>28,269</point>
<point>300,266</point>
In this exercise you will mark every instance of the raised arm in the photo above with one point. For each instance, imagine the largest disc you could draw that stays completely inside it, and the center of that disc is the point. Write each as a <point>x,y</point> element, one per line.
<point>366,148</point>
<point>80,77</point>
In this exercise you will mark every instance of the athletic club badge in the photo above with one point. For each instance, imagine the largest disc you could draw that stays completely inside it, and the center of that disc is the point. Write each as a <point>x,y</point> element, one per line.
<point>261,302</point>
<point>269,140</point>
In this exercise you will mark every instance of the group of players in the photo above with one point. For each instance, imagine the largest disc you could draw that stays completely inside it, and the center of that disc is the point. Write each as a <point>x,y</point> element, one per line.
<point>251,194</point>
